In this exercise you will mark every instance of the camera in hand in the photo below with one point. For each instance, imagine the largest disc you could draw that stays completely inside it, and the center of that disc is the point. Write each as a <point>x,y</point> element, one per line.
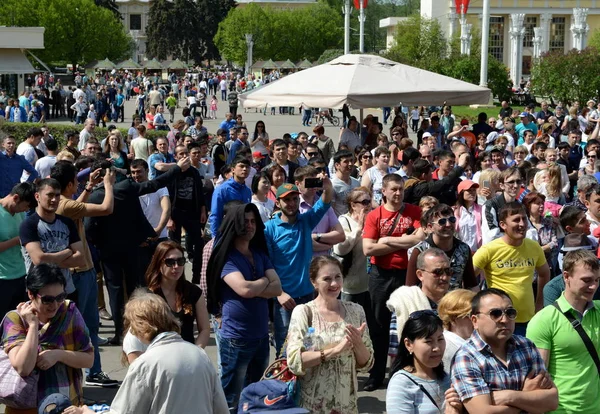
<point>313,182</point>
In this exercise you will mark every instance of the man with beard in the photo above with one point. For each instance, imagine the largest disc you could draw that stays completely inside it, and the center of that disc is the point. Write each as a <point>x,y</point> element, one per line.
<point>290,241</point>
<point>510,262</point>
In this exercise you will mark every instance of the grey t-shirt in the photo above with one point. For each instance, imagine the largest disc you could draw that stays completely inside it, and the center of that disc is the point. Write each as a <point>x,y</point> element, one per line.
<point>53,237</point>
<point>341,190</point>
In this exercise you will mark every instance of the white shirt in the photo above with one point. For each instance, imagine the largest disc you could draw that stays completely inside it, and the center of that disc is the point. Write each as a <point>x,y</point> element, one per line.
<point>264,208</point>
<point>467,228</point>
<point>44,165</point>
<point>152,210</point>
<point>28,152</point>
<point>84,135</point>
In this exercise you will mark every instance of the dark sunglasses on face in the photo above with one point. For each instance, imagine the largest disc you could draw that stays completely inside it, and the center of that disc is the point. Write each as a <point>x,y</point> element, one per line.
<point>171,262</point>
<point>439,272</point>
<point>496,314</point>
<point>445,220</point>
<point>366,202</point>
<point>47,299</point>
<point>367,157</point>
<point>312,154</point>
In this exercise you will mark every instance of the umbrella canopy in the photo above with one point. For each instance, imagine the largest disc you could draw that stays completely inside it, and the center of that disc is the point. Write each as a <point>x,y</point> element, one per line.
<point>177,65</point>
<point>364,81</point>
<point>128,64</point>
<point>269,64</point>
<point>105,65</point>
<point>305,64</point>
<point>153,65</point>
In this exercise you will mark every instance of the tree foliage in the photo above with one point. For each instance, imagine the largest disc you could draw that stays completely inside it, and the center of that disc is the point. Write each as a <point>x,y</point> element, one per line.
<point>77,31</point>
<point>567,77</point>
<point>185,29</point>
<point>279,34</point>
<point>110,5</point>
<point>421,43</point>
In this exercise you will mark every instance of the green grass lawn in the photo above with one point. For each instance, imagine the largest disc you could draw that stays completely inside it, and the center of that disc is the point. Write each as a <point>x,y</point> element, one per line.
<point>471,113</point>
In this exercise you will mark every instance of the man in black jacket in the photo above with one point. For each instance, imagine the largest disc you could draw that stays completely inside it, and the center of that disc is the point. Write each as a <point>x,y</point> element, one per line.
<point>118,236</point>
<point>421,184</point>
<point>188,211</point>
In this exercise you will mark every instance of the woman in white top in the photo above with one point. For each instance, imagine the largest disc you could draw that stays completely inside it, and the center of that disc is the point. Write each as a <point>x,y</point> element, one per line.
<point>141,147</point>
<point>419,383</point>
<point>373,178</point>
<point>454,310</point>
<point>132,132</point>
<point>260,190</point>
<point>260,139</point>
<point>468,215</point>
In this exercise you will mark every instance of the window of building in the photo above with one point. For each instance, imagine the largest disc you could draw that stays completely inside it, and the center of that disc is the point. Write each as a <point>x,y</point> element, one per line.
<point>530,23</point>
<point>557,34</point>
<point>135,22</point>
<point>496,45</point>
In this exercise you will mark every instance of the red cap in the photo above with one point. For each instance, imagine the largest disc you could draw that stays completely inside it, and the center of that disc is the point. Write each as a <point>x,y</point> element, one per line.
<point>464,121</point>
<point>467,185</point>
<point>258,154</point>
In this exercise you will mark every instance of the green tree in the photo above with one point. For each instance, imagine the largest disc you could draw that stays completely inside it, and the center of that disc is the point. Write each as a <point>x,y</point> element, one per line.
<point>567,77</point>
<point>77,31</point>
<point>279,34</point>
<point>110,5</point>
<point>212,12</point>
<point>158,32</point>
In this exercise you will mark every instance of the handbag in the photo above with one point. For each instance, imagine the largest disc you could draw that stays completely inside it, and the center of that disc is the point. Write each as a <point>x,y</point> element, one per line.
<point>584,336</point>
<point>16,391</point>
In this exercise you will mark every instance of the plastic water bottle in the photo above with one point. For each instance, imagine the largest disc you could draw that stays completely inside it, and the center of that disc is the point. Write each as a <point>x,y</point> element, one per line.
<point>99,408</point>
<point>310,340</point>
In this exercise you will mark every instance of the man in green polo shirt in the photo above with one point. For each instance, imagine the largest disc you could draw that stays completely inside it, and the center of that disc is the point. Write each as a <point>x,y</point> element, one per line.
<point>12,266</point>
<point>567,359</point>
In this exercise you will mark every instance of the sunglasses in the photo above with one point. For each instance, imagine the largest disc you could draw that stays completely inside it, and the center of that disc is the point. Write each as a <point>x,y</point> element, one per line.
<point>367,157</point>
<point>496,314</point>
<point>312,154</point>
<point>366,202</point>
<point>48,300</point>
<point>418,314</point>
<point>517,182</point>
<point>446,220</point>
<point>171,262</point>
<point>439,272</point>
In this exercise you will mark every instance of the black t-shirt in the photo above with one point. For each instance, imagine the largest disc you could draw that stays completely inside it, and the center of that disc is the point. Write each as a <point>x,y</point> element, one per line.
<point>185,198</point>
<point>219,156</point>
<point>187,314</point>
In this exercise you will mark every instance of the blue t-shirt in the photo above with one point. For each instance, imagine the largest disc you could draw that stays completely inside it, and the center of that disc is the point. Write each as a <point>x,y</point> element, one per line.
<point>244,318</point>
<point>155,159</point>
<point>290,248</point>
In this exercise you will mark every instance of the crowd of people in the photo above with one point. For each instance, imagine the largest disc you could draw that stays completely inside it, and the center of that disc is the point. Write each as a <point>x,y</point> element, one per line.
<point>467,253</point>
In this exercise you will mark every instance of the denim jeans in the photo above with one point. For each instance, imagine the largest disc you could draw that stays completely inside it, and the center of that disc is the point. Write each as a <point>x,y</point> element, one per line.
<point>87,304</point>
<point>306,115</point>
<point>243,362</point>
<point>215,322</point>
<point>281,321</point>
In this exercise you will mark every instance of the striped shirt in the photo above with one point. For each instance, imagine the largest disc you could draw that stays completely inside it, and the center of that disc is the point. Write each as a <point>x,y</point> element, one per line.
<point>477,371</point>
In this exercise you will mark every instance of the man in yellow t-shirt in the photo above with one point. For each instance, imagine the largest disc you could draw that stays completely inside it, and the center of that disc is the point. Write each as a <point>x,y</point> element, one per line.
<point>509,263</point>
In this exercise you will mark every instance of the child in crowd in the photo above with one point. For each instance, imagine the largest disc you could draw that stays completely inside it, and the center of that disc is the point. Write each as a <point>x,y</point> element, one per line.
<point>212,113</point>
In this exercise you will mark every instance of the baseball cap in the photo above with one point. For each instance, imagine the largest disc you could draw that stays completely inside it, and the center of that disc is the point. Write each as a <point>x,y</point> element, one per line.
<point>286,189</point>
<point>258,154</point>
<point>426,135</point>
<point>523,114</point>
<point>576,241</point>
<point>54,404</point>
<point>464,122</point>
<point>499,124</point>
<point>497,148</point>
<point>467,185</point>
<point>268,396</point>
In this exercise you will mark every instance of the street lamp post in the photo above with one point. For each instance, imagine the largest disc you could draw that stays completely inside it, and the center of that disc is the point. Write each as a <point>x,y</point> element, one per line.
<point>361,19</point>
<point>347,9</point>
<point>485,38</point>
<point>250,44</point>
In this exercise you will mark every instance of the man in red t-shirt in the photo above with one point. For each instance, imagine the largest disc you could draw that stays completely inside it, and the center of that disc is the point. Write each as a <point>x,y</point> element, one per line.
<point>389,231</point>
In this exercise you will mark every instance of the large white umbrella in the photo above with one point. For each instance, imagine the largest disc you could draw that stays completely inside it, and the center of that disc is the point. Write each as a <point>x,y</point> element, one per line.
<point>364,81</point>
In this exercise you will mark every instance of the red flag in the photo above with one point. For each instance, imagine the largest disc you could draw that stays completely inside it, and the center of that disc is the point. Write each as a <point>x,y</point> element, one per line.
<point>357,4</point>
<point>461,6</point>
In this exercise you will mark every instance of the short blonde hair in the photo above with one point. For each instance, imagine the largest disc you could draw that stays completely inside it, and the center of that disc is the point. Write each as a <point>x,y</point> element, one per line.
<point>66,156</point>
<point>489,175</point>
<point>147,315</point>
<point>428,202</point>
<point>455,305</point>
<point>522,148</point>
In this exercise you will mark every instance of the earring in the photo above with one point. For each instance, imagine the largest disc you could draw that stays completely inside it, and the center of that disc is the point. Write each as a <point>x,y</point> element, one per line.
<point>410,352</point>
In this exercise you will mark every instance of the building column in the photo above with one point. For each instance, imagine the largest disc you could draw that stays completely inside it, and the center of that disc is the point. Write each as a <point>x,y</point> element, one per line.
<point>452,18</point>
<point>537,42</point>
<point>545,23</point>
<point>516,32</point>
<point>579,28</point>
<point>465,36</point>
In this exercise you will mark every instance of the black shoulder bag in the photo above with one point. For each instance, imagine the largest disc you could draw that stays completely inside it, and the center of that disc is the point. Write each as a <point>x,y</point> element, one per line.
<point>424,390</point>
<point>584,336</point>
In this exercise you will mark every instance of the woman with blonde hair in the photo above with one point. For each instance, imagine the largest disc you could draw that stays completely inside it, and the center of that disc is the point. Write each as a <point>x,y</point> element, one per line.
<point>172,372</point>
<point>454,310</point>
<point>489,185</point>
<point>521,152</point>
<point>548,183</point>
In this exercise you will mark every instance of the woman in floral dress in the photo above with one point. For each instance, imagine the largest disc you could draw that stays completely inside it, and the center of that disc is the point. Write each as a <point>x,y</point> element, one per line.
<point>327,372</point>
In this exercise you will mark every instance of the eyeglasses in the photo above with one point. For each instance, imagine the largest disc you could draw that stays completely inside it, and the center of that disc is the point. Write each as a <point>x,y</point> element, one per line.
<point>496,314</point>
<point>446,220</point>
<point>515,182</point>
<point>519,152</point>
<point>395,133</point>
<point>48,300</point>
<point>366,202</point>
<point>172,262</point>
<point>418,314</point>
<point>439,272</point>
<point>591,156</point>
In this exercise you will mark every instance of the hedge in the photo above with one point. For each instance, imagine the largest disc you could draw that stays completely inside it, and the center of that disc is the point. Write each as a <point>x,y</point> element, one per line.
<point>19,131</point>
